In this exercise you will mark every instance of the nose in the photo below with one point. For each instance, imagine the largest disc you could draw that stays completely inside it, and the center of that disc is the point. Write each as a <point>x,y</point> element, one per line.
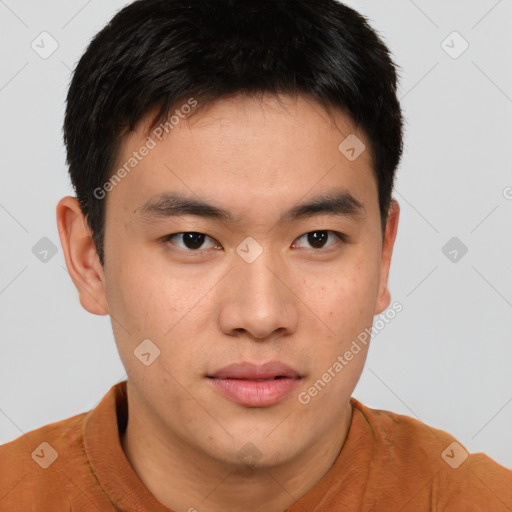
<point>259,299</point>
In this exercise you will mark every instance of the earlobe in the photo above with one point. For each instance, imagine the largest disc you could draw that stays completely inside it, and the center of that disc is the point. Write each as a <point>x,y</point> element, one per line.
<point>81,257</point>
<point>384,297</point>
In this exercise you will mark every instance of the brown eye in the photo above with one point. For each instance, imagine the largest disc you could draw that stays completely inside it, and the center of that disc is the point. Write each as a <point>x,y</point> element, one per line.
<point>190,240</point>
<point>319,239</point>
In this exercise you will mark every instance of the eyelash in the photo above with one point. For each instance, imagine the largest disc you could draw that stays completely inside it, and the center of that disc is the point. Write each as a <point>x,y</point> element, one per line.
<point>340,236</point>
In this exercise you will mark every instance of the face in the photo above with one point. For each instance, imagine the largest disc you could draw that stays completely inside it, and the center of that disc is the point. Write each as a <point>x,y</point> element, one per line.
<point>248,304</point>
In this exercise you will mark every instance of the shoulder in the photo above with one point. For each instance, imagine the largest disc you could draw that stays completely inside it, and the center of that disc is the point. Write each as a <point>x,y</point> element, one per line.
<point>437,467</point>
<point>30,465</point>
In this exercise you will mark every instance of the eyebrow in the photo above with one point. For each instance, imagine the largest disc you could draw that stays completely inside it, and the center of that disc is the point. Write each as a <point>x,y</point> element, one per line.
<point>172,204</point>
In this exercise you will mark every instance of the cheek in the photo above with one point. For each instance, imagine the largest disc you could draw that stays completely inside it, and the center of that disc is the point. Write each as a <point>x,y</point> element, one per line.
<point>347,302</point>
<point>148,301</point>
<point>138,299</point>
<point>345,298</point>
<point>150,295</point>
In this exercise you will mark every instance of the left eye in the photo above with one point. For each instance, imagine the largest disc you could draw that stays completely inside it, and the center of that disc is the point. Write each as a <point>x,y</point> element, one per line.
<point>318,239</point>
<point>191,240</point>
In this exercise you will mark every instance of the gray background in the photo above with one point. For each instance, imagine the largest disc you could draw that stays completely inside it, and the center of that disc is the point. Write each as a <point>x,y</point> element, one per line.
<point>444,359</point>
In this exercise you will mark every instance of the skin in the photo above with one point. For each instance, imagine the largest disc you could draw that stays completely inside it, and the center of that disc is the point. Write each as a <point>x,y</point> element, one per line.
<point>296,303</point>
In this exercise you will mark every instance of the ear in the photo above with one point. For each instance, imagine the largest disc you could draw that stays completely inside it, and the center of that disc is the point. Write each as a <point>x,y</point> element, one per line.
<point>82,260</point>
<point>384,297</point>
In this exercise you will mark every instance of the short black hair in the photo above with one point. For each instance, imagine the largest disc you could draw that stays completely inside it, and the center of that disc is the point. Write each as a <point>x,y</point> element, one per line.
<point>155,53</point>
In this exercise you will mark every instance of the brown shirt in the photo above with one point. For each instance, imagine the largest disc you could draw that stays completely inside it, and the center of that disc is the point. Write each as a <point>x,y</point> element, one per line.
<point>388,463</point>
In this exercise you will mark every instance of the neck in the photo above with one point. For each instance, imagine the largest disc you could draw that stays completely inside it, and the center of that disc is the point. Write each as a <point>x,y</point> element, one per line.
<point>185,479</point>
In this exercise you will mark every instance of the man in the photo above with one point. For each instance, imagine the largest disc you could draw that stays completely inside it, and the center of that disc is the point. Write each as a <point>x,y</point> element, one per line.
<point>234,163</point>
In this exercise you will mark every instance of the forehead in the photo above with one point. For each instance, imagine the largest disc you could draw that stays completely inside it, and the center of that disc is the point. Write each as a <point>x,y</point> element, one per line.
<point>245,152</point>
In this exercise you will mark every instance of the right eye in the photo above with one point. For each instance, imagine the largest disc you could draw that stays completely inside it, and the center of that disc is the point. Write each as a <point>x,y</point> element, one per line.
<point>190,241</point>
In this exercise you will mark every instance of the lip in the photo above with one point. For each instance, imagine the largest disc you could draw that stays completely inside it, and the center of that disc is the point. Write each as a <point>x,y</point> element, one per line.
<point>254,385</point>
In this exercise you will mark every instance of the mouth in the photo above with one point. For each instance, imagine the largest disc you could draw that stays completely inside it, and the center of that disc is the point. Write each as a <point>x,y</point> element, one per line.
<point>253,385</point>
